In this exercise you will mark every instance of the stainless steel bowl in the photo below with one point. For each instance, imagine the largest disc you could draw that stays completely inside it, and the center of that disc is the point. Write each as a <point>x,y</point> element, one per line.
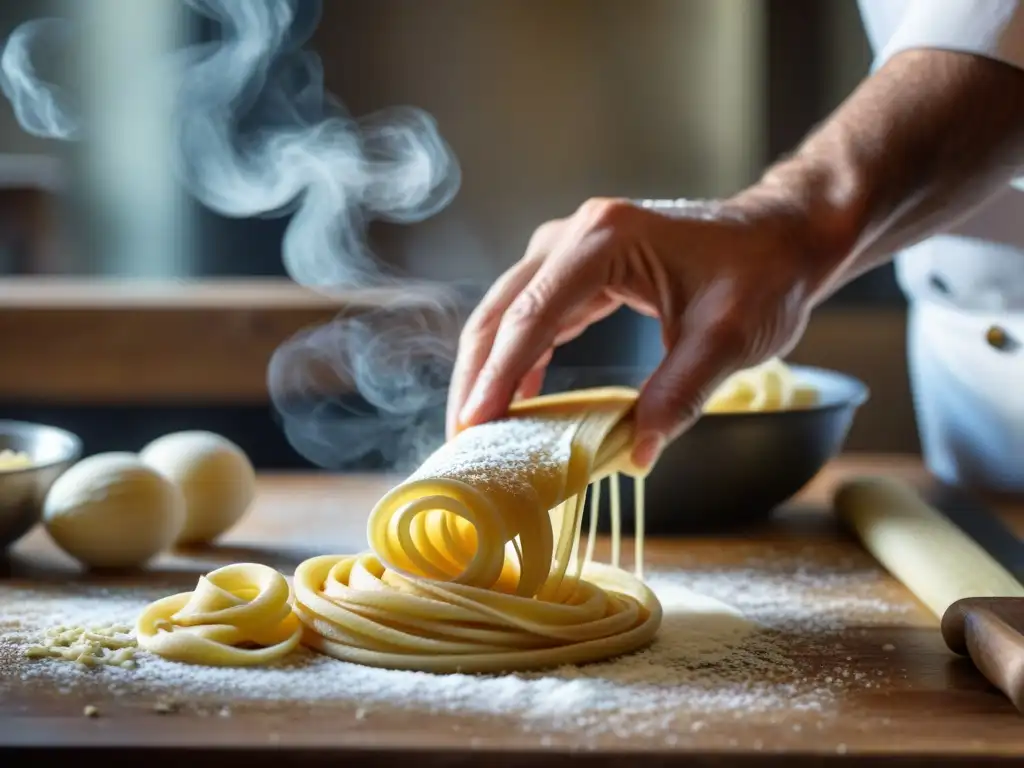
<point>732,469</point>
<point>22,491</point>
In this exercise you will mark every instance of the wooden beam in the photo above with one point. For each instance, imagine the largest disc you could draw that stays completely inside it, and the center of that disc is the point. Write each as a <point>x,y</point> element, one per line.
<point>114,342</point>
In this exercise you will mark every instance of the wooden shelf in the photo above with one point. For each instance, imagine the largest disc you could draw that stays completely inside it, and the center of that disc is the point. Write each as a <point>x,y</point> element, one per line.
<point>124,342</point>
<point>95,342</point>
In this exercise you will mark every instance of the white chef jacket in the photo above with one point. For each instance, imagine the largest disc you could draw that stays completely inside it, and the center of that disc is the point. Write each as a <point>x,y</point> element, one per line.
<point>968,395</point>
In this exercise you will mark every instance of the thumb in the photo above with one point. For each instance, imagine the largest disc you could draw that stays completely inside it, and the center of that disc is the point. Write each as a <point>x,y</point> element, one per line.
<point>671,399</point>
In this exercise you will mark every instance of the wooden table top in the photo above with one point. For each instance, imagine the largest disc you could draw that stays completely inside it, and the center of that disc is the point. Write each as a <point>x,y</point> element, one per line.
<point>873,681</point>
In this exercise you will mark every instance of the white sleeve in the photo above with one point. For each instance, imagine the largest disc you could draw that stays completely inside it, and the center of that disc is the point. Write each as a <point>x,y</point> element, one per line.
<point>990,28</point>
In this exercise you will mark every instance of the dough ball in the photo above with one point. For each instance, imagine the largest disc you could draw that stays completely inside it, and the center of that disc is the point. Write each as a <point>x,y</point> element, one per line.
<point>113,511</point>
<point>215,476</point>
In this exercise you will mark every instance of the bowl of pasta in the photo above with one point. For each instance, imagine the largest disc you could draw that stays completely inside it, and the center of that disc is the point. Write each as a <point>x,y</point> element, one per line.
<point>32,457</point>
<point>765,433</point>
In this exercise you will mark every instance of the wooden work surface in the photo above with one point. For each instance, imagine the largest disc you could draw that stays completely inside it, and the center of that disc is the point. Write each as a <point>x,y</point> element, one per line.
<point>926,705</point>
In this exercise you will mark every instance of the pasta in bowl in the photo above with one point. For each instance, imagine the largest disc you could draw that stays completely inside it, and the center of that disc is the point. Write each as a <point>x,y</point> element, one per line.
<point>765,433</point>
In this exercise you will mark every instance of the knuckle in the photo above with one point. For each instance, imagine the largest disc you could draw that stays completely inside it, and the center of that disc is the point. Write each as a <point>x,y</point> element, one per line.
<point>483,317</point>
<point>601,212</point>
<point>543,237</point>
<point>526,308</point>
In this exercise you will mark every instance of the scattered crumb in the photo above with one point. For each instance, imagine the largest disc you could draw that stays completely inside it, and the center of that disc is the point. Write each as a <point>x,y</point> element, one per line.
<point>107,646</point>
<point>91,710</point>
<point>888,647</point>
<point>165,707</point>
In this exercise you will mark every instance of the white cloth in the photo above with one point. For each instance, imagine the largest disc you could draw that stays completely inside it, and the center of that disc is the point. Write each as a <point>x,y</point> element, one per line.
<point>969,396</point>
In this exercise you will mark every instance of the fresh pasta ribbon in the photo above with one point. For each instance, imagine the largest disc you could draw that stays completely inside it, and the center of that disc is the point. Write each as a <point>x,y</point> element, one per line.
<point>238,615</point>
<point>356,610</point>
<point>474,561</point>
<point>770,386</point>
<point>475,564</point>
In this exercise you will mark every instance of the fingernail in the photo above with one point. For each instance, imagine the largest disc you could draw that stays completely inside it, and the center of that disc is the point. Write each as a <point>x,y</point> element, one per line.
<point>647,450</point>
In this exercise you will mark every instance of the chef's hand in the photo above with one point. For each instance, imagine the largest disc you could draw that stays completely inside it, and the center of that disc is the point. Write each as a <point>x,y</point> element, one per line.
<point>924,140</point>
<point>731,285</point>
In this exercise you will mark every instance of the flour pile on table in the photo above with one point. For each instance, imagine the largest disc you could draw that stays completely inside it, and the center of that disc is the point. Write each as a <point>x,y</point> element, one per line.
<point>727,666</point>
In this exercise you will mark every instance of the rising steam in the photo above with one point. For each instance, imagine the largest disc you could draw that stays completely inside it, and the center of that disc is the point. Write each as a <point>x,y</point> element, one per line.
<point>41,106</point>
<point>305,156</point>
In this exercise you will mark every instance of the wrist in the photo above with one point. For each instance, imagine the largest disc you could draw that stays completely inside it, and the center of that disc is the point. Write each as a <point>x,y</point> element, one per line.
<point>820,207</point>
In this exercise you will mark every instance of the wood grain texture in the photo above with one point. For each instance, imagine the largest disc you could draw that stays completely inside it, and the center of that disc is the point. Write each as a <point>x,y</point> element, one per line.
<point>66,341</point>
<point>990,630</point>
<point>933,708</point>
<point>82,342</point>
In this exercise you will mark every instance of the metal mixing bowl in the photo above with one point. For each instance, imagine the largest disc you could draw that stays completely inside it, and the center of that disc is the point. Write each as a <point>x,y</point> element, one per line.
<point>22,491</point>
<point>732,469</point>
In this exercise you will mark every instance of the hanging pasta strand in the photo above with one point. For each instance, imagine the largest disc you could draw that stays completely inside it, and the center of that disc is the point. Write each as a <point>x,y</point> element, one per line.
<point>594,510</point>
<point>616,499</point>
<point>638,526</point>
<point>575,562</point>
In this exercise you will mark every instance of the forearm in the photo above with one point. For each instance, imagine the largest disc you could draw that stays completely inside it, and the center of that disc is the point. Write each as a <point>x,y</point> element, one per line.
<point>917,146</point>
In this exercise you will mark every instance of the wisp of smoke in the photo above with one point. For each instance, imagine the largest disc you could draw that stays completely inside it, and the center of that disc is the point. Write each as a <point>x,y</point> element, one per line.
<point>398,359</point>
<point>259,136</point>
<point>40,105</point>
<point>336,172</point>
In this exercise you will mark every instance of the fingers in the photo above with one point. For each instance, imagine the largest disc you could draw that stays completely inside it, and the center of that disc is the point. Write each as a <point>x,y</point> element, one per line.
<point>567,281</point>
<point>477,336</point>
<point>672,398</point>
<point>533,382</point>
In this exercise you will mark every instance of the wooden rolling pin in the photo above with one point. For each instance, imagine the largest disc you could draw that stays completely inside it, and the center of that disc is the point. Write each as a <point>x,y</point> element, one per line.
<point>980,604</point>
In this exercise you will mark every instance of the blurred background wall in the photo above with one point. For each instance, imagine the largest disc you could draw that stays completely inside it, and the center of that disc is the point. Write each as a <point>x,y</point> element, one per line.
<point>545,102</point>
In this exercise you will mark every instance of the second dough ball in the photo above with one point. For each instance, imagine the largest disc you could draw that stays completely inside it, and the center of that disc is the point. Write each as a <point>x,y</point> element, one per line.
<point>215,476</point>
<point>112,511</point>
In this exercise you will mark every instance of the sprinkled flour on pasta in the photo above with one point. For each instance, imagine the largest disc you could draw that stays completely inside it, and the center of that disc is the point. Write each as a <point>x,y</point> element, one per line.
<point>695,669</point>
<point>505,457</point>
